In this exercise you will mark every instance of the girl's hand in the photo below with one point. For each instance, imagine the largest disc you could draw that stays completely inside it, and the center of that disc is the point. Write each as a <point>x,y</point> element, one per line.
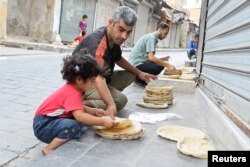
<point>109,122</point>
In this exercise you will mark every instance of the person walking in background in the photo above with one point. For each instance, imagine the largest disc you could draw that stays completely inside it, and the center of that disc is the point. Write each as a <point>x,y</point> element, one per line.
<point>61,115</point>
<point>192,47</point>
<point>143,56</point>
<point>104,44</point>
<point>83,26</point>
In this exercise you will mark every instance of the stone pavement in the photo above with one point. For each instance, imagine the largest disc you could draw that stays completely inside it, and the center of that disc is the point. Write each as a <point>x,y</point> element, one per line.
<point>27,77</point>
<point>148,151</point>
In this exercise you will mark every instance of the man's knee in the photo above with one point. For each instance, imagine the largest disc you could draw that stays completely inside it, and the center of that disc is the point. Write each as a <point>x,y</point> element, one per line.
<point>120,102</point>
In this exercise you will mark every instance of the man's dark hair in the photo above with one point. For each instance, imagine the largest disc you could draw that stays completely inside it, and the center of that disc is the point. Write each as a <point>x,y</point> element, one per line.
<point>84,16</point>
<point>162,25</point>
<point>196,36</point>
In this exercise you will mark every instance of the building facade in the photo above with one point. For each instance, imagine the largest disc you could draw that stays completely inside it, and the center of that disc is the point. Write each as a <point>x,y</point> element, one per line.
<point>46,20</point>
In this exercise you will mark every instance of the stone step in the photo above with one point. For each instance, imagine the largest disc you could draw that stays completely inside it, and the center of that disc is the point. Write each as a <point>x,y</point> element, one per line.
<point>179,85</point>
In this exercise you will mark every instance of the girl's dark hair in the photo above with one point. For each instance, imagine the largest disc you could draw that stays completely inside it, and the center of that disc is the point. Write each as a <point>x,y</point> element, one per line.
<point>79,64</point>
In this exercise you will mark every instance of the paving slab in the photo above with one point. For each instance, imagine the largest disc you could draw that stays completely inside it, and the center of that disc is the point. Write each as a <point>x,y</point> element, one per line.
<point>6,156</point>
<point>147,151</point>
<point>15,143</point>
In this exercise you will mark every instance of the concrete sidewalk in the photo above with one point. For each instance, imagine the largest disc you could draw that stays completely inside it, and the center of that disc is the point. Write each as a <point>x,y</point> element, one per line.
<point>27,77</point>
<point>147,151</point>
<point>27,43</point>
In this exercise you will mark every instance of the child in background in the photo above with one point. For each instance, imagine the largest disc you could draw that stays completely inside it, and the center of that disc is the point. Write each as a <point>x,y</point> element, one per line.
<point>192,47</point>
<point>83,26</point>
<point>61,116</point>
<point>79,38</point>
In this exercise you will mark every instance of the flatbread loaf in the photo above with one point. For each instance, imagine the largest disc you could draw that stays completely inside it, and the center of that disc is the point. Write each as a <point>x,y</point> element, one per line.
<point>134,131</point>
<point>189,76</point>
<point>172,72</point>
<point>152,105</point>
<point>157,97</point>
<point>178,133</point>
<point>194,146</point>
<point>175,76</point>
<point>186,70</point>
<point>121,123</point>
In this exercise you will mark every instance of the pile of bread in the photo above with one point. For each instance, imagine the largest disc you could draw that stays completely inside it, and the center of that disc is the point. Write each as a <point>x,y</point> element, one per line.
<point>125,129</point>
<point>157,97</point>
<point>185,73</point>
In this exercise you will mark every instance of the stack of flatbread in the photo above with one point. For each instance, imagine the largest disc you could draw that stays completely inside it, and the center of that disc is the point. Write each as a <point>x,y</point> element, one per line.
<point>157,97</point>
<point>174,74</point>
<point>126,129</point>
<point>190,141</point>
<point>185,73</point>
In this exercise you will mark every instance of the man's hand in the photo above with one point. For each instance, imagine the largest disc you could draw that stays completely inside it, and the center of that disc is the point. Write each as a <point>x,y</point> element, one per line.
<point>165,58</point>
<point>171,67</point>
<point>99,112</point>
<point>146,77</point>
<point>111,111</point>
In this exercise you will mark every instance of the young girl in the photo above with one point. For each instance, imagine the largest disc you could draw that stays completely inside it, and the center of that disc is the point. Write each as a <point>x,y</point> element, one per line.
<point>60,117</point>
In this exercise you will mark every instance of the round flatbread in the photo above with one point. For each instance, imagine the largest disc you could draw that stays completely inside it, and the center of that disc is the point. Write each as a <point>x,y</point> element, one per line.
<point>132,132</point>
<point>152,105</point>
<point>189,76</point>
<point>178,133</point>
<point>186,70</point>
<point>196,147</point>
<point>172,72</point>
<point>175,76</point>
<point>121,123</point>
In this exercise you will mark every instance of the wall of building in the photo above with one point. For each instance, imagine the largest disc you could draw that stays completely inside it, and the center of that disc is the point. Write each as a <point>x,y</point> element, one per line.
<point>41,20</point>
<point>18,17</point>
<point>33,18</point>
<point>143,12</point>
<point>104,11</point>
<point>71,14</point>
<point>3,18</point>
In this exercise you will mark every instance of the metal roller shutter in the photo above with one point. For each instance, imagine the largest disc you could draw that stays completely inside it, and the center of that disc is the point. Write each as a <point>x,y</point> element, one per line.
<point>225,63</point>
<point>71,15</point>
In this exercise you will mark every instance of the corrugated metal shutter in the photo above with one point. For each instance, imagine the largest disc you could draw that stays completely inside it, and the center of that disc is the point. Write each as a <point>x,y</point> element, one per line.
<point>225,68</point>
<point>133,5</point>
<point>201,34</point>
<point>71,15</point>
<point>142,22</point>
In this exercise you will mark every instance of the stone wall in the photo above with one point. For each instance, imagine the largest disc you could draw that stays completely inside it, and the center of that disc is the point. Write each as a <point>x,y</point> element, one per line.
<point>31,18</point>
<point>104,11</point>
<point>3,17</point>
<point>18,17</point>
<point>41,20</point>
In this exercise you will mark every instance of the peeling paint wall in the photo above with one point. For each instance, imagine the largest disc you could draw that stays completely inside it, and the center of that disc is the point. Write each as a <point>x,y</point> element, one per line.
<point>41,21</point>
<point>18,17</point>
<point>104,11</point>
<point>31,18</point>
<point>3,18</point>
